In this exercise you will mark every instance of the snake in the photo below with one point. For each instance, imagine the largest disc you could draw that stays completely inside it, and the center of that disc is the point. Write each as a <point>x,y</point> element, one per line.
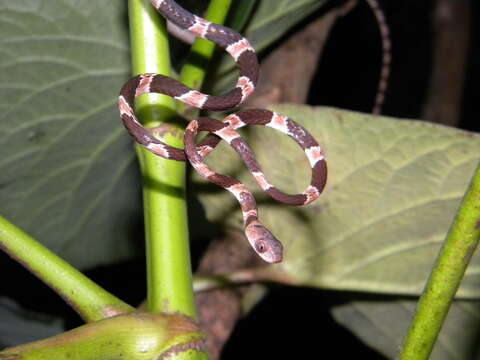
<point>263,242</point>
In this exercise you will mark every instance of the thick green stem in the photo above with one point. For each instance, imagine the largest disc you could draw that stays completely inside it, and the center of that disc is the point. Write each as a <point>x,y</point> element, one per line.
<point>445,278</point>
<point>195,68</point>
<point>90,301</point>
<point>169,278</point>
<point>168,262</point>
<point>133,336</point>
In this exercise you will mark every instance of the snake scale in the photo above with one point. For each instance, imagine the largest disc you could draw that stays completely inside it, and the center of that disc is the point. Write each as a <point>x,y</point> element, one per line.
<point>259,237</point>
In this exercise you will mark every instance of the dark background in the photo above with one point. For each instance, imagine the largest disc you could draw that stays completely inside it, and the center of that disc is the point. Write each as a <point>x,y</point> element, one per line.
<point>295,322</point>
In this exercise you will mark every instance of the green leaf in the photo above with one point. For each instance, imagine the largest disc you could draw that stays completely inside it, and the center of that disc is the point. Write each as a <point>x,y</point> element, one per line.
<point>273,18</point>
<point>67,170</point>
<point>393,189</point>
<point>383,324</point>
<point>240,14</point>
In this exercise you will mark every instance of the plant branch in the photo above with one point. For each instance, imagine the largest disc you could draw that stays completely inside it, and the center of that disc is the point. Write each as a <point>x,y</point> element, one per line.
<point>446,276</point>
<point>88,299</point>
<point>451,38</point>
<point>169,279</point>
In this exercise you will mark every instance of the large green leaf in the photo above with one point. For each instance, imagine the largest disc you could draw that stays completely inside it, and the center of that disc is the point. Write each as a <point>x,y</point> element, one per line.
<point>68,174</point>
<point>392,192</point>
<point>383,325</point>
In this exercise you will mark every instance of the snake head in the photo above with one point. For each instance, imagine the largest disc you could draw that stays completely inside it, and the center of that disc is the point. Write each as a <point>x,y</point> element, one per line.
<point>264,243</point>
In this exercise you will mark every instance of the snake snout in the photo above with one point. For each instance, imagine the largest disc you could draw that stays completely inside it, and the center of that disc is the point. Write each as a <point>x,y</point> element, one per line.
<point>264,243</point>
<point>269,248</point>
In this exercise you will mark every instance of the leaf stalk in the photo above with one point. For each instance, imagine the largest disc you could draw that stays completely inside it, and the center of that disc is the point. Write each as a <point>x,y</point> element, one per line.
<point>445,278</point>
<point>88,299</point>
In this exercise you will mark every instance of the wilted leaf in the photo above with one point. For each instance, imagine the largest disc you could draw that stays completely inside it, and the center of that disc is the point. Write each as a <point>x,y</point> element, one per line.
<point>383,325</point>
<point>392,192</point>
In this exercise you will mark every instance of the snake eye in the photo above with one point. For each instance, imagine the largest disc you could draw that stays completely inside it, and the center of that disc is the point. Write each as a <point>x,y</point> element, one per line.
<point>260,247</point>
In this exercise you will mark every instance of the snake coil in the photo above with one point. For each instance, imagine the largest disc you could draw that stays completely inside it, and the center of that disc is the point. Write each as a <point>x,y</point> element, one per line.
<point>259,237</point>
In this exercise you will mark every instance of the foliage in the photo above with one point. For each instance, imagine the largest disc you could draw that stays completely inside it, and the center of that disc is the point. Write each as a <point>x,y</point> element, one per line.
<point>68,174</point>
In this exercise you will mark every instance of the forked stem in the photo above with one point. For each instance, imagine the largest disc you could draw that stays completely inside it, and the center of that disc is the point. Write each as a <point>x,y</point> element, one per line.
<point>88,299</point>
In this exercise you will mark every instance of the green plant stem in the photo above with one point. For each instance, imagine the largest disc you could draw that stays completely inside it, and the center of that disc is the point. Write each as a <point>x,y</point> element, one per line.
<point>446,276</point>
<point>195,69</point>
<point>88,299</point>
<point>169,279</point>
